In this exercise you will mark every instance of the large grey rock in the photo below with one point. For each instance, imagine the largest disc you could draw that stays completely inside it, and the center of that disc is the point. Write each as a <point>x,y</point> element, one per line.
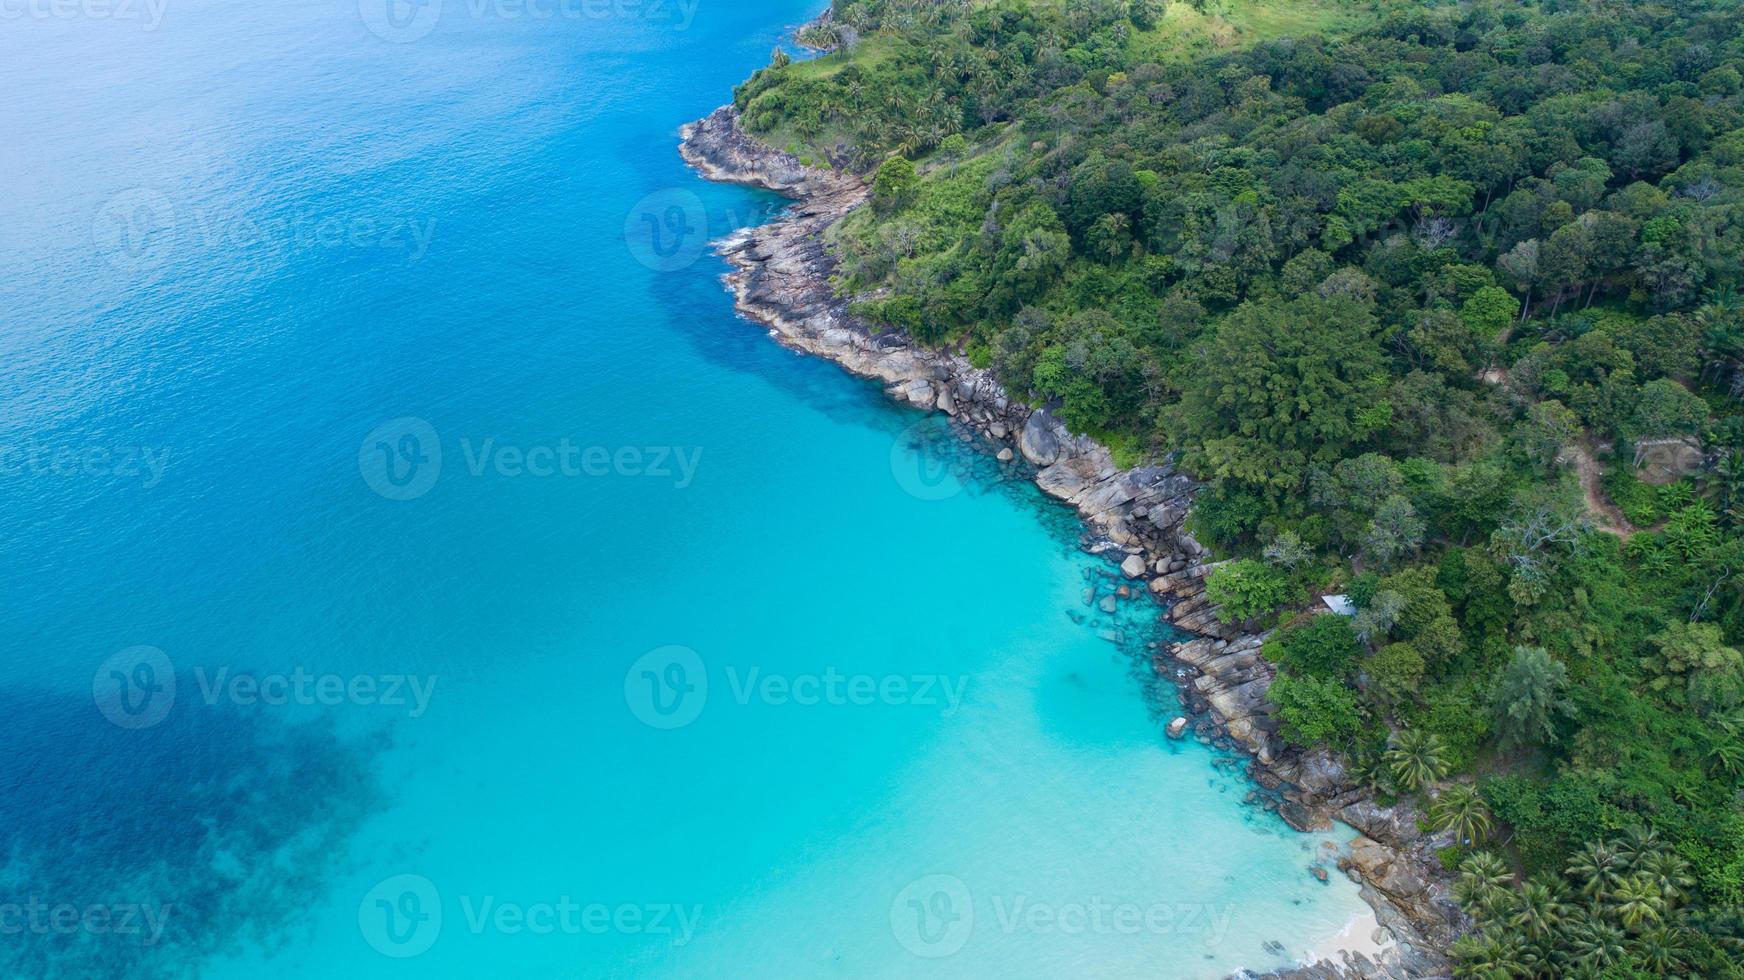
<point>1038,443</point>
<point>1662,461</point>
<point>1320,772</point>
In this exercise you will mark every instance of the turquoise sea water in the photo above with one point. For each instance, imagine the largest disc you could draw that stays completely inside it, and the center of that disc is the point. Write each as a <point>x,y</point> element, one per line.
<point>411,567</point>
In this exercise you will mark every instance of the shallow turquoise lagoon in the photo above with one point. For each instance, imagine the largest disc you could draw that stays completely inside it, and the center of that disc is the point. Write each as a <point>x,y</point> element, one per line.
<point>413,568</point>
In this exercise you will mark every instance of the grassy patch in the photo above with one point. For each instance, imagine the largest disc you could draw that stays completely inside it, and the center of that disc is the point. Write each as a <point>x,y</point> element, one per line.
<point>1183,31</point>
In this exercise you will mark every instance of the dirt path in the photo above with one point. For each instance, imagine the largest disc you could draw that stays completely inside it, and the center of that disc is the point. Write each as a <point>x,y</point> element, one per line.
<point>1604,513</point>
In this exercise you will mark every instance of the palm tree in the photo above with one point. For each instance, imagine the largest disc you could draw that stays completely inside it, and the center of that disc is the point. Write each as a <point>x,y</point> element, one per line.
<point>1370,770</point>
<point>1417,758</point>
<point>1485,870</point>
<point>1722,341</point>
<point>1664,950</point>
<point>1594,944</point>
<point>911,140</point>
<point>1496,906</point>
<point>1669,872</point>
<point>1539,909</point>
<point>1484,881</point>
<point>1637,902</point>
<point>1637,843</point>
<point>1598,867</point>
<point>1460,809</point>
<point>1727,485</point>
<point>1488,955</point>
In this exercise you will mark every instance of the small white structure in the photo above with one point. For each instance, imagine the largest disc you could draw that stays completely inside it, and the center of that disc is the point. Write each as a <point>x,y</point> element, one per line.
<point>1339,604</point>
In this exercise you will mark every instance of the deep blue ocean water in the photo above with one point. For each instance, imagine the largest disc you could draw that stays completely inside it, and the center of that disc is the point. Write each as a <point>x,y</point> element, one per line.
<point>411,567</point>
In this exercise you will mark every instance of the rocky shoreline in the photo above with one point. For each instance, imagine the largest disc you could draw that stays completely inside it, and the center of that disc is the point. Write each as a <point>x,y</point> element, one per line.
<point>781,278</point>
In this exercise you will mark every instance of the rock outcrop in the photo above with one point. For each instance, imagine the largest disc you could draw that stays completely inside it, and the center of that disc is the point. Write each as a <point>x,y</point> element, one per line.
<point>781,278</point>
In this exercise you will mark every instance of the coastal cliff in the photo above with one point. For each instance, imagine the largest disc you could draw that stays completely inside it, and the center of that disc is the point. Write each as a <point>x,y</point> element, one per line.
<point>782,278</point>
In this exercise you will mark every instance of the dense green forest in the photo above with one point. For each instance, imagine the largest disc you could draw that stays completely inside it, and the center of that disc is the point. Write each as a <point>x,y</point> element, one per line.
<point>1437,299</point>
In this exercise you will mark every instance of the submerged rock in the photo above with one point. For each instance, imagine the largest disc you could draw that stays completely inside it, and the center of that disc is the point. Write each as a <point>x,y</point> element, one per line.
<point>1177,728</point>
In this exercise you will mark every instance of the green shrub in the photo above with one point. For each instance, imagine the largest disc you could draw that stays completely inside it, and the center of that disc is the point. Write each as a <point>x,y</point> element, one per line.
<point>1245,588</point>
<point>1638,501</point>
<point>1325,646</point>
<point>1314,711</point>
